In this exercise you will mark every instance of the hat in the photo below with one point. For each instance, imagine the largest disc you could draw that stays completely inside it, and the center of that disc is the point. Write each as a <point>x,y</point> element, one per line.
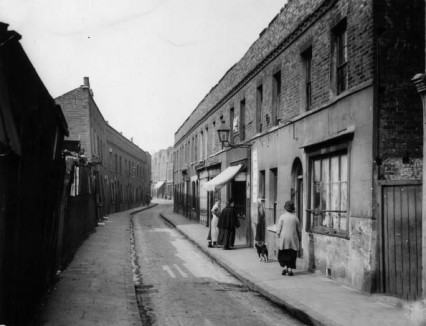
<point>289,206</point>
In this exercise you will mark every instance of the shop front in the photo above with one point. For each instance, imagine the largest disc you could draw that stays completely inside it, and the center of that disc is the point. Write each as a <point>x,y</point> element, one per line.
<point>233,182</point>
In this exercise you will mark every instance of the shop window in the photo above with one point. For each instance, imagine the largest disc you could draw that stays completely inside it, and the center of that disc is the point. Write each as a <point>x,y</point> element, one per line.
<point>329,186</point>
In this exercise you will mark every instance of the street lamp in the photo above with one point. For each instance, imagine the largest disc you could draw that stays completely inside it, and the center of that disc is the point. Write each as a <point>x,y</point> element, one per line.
<point>224,139</point>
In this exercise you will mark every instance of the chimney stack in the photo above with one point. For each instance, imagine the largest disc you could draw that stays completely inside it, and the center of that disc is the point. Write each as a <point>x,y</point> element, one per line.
<point>86,82</point>
<point>3,27</point>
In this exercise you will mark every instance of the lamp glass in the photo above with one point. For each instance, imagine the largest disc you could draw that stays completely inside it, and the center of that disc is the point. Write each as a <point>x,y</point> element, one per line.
<point>223,135</point>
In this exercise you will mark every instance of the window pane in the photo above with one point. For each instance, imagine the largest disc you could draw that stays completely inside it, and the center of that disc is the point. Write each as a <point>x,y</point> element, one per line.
<point>343,221</point>
<point>327,220</point>
<point>345,46</point>
<point>317,170</point>
<point>335,196</point>
<point>334,169</point>
<point>344,167</point>
<point>316,193</point>
<point>344,196</point>
<point>325,184</point>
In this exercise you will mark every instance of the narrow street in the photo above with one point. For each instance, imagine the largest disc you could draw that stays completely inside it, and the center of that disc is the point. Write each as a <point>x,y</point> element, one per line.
<point>181,286</point>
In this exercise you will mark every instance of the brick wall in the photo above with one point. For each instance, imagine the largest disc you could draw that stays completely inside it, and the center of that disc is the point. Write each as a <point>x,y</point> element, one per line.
<point>98,131</point>
<point>279,28</point>
<point>98,140</point>
<point>128,151</point>
<point>287,35</point>
<point>75,105</point>
<point>401,54</point>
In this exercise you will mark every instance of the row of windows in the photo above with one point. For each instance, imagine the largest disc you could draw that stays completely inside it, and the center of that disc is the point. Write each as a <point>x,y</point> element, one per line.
<point>205,142</point>
<point>131,170</point>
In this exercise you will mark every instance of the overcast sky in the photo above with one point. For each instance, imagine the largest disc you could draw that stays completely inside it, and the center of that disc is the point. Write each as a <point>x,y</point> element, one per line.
<point>150,62</point>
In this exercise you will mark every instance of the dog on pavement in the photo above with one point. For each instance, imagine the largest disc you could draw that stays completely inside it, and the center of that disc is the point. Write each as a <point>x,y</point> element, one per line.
<point>262,251</point>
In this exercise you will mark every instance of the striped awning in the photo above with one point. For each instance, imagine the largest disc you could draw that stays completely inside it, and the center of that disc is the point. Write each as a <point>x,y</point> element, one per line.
<point>223,178</point>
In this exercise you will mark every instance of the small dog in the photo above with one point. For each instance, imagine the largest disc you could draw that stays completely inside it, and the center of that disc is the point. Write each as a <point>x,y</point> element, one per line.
<point>262,251</point>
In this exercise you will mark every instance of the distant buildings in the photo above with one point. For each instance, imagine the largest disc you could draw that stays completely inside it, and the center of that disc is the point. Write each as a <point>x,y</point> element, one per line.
<point>122,173</point>
<point>162,174</point>
<point>321,110</point>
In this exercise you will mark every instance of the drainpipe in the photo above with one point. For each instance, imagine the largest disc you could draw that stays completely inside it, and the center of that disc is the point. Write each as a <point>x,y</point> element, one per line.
<point>419,81</point>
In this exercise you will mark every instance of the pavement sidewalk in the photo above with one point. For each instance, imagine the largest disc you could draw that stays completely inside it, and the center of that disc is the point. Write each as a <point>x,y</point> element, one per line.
<point>313,298</point>
<point>97,288</point>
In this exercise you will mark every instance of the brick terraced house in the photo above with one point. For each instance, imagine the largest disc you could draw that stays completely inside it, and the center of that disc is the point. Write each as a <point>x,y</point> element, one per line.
<point>122,170</point>
<point>321,110</point>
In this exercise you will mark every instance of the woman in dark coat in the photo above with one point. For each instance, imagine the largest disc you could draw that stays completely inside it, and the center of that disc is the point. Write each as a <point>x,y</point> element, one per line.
<point>260,226</point>
<point>228,222</point>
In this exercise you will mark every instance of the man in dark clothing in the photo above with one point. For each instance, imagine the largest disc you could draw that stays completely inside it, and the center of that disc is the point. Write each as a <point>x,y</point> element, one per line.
<point>228,222</point>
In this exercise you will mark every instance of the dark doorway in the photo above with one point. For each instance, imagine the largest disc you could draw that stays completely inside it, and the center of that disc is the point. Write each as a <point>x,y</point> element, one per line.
<point>238,191</point>
<point>297,193</point>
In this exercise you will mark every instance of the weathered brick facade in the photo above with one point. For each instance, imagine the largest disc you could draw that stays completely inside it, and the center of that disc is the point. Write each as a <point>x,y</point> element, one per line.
<point>120,186</point>
<point>400,41</point>
<point>363,109</point>
<point>77,113</point>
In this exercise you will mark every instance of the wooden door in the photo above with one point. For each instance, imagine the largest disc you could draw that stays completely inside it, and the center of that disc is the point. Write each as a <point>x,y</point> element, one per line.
<point>402,240</point>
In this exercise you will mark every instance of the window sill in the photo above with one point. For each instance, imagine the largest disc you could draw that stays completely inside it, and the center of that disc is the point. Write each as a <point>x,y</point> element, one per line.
<point>330,232</point>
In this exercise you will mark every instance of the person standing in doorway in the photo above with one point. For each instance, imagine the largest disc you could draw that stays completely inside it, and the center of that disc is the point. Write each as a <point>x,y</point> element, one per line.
<point>260,226</point>
<point>288,234</point>
<point>214,231</point>
<point>228,222</point>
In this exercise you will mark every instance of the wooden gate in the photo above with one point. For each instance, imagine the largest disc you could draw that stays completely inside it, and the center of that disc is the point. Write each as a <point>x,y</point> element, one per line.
<point>402,240</point>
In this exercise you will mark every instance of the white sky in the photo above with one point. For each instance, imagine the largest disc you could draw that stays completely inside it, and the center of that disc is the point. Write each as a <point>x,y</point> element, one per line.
<point>150,62</point>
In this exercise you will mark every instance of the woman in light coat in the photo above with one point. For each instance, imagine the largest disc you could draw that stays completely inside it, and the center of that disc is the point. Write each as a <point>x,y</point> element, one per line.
<point>288,236</point>
<point>213,226</point>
